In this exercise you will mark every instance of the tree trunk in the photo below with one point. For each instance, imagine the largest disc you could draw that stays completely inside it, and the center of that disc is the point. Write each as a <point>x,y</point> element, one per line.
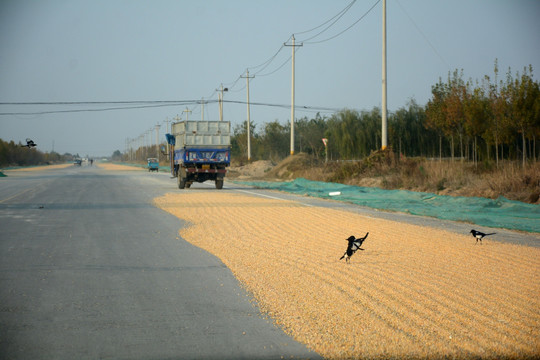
<point>461,146</point>
<point>440,148</point>
<point>524,146</point>
<point>534,147</point>
<point>452,150</point>
<point>475,153</point>
<point>497,150</point>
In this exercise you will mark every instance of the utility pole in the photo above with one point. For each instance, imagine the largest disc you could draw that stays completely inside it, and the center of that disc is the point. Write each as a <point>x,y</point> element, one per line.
<point>220,100</point>
<point>202,109</point>
<point>384,140</point>
<point>157,141</point>
<point>292,93</point>
<point>168,132</point>
<point>248,119</point>
<point>187,111</point>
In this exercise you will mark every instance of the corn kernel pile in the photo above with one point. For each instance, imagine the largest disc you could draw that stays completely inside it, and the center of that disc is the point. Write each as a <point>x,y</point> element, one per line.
<point>413,292</point>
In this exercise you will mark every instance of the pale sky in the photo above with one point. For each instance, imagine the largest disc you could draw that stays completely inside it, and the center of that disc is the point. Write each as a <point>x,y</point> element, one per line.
<point>132,50</point>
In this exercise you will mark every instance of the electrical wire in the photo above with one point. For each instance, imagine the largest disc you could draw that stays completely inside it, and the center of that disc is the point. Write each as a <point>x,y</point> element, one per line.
<point>338,34</point>
<point>151,104</point>
<point>423,35</point>
<point>329,26</point>
<point>341,13</point>
<point>269,60</point>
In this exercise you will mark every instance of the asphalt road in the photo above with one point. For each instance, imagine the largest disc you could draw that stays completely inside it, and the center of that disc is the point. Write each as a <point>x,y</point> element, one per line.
<point>89,269</point>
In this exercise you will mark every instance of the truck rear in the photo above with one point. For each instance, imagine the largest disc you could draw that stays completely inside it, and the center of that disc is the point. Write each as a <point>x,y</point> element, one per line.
<point>200,151</point>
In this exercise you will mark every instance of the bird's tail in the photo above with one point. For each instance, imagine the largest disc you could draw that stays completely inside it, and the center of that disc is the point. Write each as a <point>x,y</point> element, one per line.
<point>342,256</point>
<point>490,234</point>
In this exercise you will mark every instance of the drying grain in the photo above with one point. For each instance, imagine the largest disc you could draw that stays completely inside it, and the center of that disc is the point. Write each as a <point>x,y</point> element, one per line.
<point>414,291</point>
<point>118,167</point>
<point>40,168</point>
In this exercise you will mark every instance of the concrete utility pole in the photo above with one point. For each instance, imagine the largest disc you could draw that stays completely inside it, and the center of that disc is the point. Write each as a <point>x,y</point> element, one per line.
<point>187,111</point>
<point>248,119</point>
<point>220,100</point>
<point>292,94</point>
<point>202,109</point>
<point>384,135</point>
<point>168,132</point>
<point>139,153</point>
<point>157,140</point>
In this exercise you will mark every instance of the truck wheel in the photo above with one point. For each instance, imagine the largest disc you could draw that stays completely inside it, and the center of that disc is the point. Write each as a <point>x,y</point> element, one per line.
<point>219,184</point>
<point>181,182</point>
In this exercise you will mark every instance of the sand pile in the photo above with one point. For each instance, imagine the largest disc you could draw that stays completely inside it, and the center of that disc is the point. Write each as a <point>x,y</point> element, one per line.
<point>414,291</point>
<point>254,170</point>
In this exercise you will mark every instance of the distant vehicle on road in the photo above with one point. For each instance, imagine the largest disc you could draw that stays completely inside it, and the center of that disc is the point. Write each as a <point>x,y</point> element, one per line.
<point>77,162</point>
<point>153,164</point>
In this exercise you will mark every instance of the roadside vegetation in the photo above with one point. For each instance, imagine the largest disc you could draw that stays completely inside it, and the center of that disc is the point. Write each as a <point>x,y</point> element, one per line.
<point>385,170</point>
<point>12,154</point>
<point>483,121</point>
<point>472,138</point>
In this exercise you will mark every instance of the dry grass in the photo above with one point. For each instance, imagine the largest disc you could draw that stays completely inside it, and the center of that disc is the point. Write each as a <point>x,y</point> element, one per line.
<point>414,291</point>
<point>384,170</point>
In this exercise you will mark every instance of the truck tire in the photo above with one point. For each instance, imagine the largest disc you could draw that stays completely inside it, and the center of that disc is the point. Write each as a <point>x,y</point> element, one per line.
<point>181,182</point>
<point>219,183</point>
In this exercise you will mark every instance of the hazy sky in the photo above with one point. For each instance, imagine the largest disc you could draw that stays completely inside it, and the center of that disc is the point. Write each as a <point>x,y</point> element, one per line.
<point>130,50</point>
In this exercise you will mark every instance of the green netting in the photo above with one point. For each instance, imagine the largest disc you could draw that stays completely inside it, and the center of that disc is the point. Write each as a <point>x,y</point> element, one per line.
<point>500,213</point>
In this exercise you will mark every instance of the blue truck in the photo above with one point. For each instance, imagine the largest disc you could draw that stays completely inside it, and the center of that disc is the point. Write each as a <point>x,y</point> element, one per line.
<point>200,151</point>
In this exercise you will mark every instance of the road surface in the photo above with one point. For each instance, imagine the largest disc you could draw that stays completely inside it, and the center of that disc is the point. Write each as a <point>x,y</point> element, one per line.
<point>89,269</point>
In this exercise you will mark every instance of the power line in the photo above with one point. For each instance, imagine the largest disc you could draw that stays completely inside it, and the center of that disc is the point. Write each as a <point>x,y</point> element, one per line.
<point>159,104</point>
<point>142,105</point>
<point>338,34</point>
<point>423,35</point>
<point>341,13</point>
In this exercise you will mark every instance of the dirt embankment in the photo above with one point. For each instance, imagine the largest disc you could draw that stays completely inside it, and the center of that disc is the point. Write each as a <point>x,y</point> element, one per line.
<point>384,170</point>
<point>414,292</point>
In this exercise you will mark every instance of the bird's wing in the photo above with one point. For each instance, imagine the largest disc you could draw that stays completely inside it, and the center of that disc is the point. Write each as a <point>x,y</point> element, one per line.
<point>358,242</point>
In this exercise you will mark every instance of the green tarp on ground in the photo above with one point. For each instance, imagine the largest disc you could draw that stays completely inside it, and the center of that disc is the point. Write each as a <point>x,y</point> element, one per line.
<point>500,213</point>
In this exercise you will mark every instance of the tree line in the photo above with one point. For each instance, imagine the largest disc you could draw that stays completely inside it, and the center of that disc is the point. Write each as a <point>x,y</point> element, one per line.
<point>12,154</point>
<point>482,121</point>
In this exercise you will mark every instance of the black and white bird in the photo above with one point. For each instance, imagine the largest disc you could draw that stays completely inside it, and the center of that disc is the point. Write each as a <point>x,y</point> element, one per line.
<point>479,235</point>
<point>29,143</point>
<point>353,246</point>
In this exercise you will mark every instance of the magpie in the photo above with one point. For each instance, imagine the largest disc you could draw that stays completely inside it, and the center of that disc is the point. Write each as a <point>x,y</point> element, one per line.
<point>354,244</point>
<point>479,235</point>
<point>29,143</point>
